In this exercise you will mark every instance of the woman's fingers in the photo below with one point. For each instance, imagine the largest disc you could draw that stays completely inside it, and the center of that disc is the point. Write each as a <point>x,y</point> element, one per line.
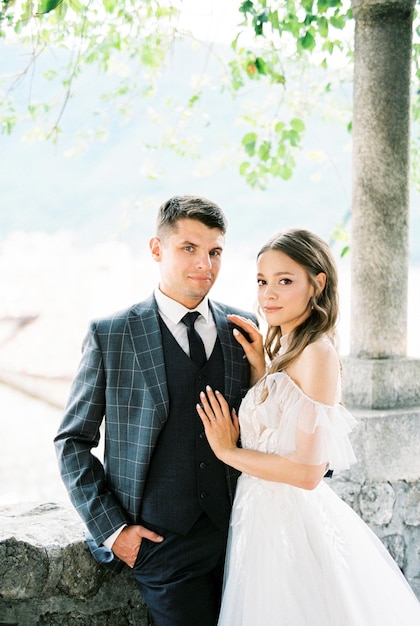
<point>241,321</point>
<point>246,324</point>
<point>209,405</point>
<point>213,404</point>
<point>235,419</point>
<point>220,425</point>
<point>252,337</point>
<point>217,401</point>
<point>203,415</point>
<point>252,345</point>
<point>204,408</point>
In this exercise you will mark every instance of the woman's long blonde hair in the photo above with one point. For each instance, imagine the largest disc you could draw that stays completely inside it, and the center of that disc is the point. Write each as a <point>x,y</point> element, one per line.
<point>314,255</point>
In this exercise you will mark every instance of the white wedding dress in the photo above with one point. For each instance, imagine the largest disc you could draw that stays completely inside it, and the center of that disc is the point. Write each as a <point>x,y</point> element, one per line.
<point>305,558</point>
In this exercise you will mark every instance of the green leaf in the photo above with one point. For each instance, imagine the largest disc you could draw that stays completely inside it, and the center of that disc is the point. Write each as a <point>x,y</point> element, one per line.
<point>273,18</point>
<point>286,172</point>
<point>307,41</point>
<point>109,5</point>
<point>46,6</point>
<point>249,142</point>
<point>338,22</point>
<point>27,9</point>
<point>275,168</point>
<point>323,27</point>
<point>324,5</point>
<point>297,125</point>
<point>247,7</point>
<point>76,5</point>
<point>281,150</point>
<point>264,151</point>
<point>307,5</point>
<point>237,81</point>
<point>258,22</point>
<point>328,46</point>
<point>243,168</point>
<point>279,79</point>
<point>194,98</point>
<point>234,43</point>
<point>292,136</point>
<point>261,66</point>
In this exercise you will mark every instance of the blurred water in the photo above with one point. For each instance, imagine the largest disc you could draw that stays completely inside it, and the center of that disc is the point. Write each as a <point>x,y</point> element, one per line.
<point>28,467</point>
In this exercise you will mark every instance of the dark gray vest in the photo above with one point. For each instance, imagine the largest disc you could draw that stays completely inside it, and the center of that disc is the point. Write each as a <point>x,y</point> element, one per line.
<point>184,477</point>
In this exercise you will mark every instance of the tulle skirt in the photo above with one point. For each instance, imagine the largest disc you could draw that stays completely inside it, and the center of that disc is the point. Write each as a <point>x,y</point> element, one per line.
<point>305,558</point>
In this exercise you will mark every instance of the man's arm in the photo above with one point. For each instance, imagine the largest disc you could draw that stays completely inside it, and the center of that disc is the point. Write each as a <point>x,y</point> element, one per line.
<point>82,472</point>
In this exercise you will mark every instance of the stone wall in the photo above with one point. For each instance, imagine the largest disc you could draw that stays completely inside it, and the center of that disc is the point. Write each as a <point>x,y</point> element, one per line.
<point>384,486</point>
<point>48,577</point>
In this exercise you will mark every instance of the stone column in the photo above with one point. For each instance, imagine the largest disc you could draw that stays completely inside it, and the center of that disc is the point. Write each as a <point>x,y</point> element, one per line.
<point>378,373</point>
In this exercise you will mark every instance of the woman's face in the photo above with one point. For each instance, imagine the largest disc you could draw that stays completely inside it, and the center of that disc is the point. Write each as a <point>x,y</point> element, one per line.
<point>284,290</point>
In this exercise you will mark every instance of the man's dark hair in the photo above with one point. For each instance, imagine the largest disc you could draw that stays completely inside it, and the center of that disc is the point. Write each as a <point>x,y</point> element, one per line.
<point>189,207</point>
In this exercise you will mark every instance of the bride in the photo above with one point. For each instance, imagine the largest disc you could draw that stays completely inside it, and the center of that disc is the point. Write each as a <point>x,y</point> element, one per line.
<point>297,554</point>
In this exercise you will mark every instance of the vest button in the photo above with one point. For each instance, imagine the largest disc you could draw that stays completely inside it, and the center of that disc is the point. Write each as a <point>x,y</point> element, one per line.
<point>203,495</point>
<point>203,465</point>
<point>202,435</point>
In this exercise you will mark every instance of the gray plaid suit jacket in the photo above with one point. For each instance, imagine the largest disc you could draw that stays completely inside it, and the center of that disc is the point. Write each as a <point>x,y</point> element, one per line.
<point>122,378</point>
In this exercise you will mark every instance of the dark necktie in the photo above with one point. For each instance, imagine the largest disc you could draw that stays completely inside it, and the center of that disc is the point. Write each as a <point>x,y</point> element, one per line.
<point>197,351</point>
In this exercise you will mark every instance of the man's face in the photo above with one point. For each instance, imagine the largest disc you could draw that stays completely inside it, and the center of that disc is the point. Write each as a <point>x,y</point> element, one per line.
<point>190,260</point>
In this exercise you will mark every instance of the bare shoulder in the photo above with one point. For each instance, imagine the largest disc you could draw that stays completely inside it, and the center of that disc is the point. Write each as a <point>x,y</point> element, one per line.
<point>317,371</point>
<point>322,349</point>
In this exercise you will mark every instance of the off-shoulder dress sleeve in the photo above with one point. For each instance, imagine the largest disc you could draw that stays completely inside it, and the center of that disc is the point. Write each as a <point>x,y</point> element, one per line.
<point>301,429</point>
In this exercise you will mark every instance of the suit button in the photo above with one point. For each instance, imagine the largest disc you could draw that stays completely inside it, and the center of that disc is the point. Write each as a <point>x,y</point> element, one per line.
<point>202,435</point>
<point>203,465</point>
<point>203,495</point>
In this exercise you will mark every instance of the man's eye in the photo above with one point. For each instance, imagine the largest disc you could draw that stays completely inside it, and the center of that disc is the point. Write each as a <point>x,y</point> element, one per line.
<point>189,248</point>
<point>215,253</point>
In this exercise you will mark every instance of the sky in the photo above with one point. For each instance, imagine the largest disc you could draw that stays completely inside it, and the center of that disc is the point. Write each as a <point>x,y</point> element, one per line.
<point>214,20</point>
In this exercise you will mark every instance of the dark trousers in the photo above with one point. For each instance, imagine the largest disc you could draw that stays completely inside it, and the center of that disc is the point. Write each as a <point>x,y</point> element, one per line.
<point>181,578</point>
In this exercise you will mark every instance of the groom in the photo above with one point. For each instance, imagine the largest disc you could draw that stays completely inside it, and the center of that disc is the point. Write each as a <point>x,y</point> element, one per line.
<point>160,502</point>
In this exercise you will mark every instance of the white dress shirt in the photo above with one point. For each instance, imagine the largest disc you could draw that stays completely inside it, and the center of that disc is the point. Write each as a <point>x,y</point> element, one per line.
<point>172,313</point>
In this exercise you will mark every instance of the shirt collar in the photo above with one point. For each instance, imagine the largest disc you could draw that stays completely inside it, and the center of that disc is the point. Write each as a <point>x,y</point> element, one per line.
<point>175,311</point>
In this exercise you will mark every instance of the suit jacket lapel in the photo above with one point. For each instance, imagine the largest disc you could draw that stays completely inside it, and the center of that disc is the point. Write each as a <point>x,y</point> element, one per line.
<point>146,337</point>
<point>145,333</point>
<point>232,351</point>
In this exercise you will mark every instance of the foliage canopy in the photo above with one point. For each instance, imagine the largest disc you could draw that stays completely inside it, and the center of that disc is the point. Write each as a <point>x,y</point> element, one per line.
<point>279,47</point>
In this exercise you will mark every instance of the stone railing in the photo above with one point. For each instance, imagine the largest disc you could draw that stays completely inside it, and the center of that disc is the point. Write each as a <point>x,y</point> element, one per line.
<point>384,486</point>
<point>48,577</point>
